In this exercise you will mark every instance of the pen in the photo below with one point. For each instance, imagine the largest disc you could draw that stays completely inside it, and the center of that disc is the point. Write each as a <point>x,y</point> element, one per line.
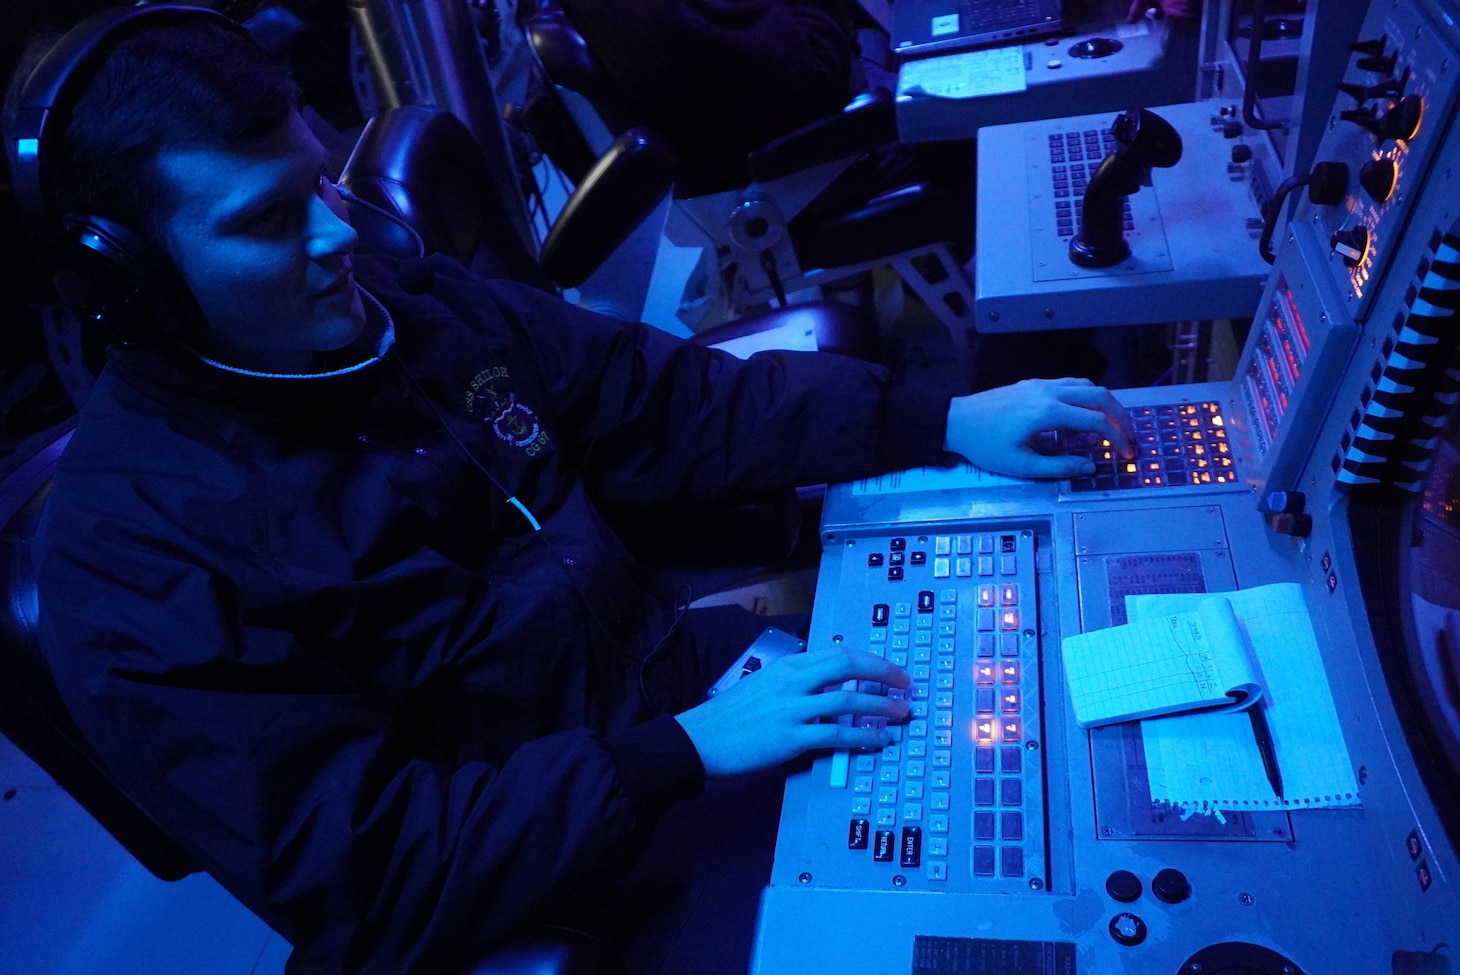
<point>1263,734</point>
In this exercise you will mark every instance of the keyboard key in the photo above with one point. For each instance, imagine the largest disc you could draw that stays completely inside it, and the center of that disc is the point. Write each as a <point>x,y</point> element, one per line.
<point>882,852</point>
<point>1013,861</point>
<point>1013,825</point>
<point>912,847</point>
<point>983,861</point>
<point>857,834</point>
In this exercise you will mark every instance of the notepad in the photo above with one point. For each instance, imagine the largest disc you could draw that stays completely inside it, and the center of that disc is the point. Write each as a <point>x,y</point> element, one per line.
<point>1197,660</point>
<point>1209,762</point>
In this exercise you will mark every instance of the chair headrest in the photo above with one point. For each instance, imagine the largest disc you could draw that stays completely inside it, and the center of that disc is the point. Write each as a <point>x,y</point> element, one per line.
<point>424,167</point>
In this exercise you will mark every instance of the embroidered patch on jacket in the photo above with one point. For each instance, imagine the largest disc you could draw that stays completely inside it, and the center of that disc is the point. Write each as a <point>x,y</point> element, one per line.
<point>512,421</point>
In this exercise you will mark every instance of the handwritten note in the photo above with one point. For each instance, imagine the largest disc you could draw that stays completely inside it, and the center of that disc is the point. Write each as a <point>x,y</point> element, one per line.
<point>1187,661</point>
<point>1205,762</point>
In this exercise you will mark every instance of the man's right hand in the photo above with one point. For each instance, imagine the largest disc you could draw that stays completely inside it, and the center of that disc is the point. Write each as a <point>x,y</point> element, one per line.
<point>773,715</point>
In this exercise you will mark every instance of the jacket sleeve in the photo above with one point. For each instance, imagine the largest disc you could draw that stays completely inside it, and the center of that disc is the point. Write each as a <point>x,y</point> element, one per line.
<point>654,417</point>
<point>290,780</point>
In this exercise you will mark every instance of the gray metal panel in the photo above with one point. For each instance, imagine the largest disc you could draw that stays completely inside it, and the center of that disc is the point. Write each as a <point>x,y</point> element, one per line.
<point>1340,893</point>
<point>1059,83</point>
<point>1194,254</point>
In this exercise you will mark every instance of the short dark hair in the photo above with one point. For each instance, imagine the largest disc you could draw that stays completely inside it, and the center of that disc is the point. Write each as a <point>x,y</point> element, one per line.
<point>167,87</point>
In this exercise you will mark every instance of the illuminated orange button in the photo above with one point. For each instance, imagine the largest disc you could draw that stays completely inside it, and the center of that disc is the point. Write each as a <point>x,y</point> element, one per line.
<point>983,730</point>
<point>1009,594</point>
<point>1009,620</point>
<point>1217,420</point>
<point>1012,728</point>
<point>1010,671</point>
<point>986,594</point>
<point>1011,700</point>
<point>983,672</point>
<point>1130,468</point>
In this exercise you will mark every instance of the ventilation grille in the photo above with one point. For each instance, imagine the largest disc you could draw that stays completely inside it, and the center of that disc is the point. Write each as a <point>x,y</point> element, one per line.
<point>1393,433</point>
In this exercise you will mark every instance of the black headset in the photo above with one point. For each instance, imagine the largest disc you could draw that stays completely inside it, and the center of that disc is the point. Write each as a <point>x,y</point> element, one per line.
<point>121,268</point>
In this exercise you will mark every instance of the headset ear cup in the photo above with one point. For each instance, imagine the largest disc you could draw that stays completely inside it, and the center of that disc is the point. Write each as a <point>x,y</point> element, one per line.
<point>123,281</point>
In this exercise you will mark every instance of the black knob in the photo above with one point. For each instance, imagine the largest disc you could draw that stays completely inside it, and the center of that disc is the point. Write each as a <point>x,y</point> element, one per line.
<point>1379,177</point>
<point>1293,525</point>
<point>1127,929</point>
<point>1352,245</point>
<point>1231,130</point>
<point>1400,120</point>
<point>1123,885</point>
<point>1286,502</point>
<point>1328,184</point>
<point>1171,886</point>
<point>1403,118</point>
<point>1241,152</point>
<point>1372,48</point>
<point>1360,93</point>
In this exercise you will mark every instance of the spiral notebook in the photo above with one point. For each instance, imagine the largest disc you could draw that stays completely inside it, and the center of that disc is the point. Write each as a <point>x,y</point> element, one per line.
<point>1209,762</point>
<point>1169,663</point>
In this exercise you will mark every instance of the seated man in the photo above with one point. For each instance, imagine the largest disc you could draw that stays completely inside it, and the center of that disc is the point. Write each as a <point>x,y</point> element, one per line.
<point>324,579</point>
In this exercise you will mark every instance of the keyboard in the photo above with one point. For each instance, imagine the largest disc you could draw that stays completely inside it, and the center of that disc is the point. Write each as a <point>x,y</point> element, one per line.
<point>956,802</point>
<point>1177,445</point>
<point>1074,156</point>
<point>981,15</point>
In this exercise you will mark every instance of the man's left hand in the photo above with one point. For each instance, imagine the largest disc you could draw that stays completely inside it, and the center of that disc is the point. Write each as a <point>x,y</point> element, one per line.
<point>1000,429</point>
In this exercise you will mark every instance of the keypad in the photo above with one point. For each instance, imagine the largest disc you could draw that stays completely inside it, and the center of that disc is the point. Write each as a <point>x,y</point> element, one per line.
<point>956,797</point>
<point>1073,158</point>
<point>1177,445</point>
<point>978,15</point>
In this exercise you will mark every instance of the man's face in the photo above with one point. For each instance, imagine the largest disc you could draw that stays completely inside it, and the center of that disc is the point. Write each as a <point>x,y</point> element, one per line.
<point>261,238</point>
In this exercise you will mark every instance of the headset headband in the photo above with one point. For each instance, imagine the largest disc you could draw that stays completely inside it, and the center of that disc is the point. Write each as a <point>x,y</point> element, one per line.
<point>57,82</point>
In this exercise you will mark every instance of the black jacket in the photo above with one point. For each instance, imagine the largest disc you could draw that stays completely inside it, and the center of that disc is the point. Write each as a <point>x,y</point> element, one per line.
<point>308,633</point>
